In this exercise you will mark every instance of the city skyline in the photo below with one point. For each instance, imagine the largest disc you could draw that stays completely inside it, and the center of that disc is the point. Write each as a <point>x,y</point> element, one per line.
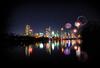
<point>26,37</point>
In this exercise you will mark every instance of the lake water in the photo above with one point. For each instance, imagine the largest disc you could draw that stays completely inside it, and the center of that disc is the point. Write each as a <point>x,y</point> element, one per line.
<point>63,51</point>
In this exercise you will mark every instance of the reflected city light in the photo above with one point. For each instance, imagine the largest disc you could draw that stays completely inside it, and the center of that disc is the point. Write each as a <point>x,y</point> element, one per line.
<point>65,48</point>
<point>73,42</point>
<point>76,47</point>
<point>69,43</point>
<point>50,46</point>
<point>67,51</point>
<point>78,51</point>
<point>62,49</point>
<point>78,41</point>
<point>53,46</point>
<point>37,44</point>
<point>28,50</point>
<point>47,45</point>
<point>57,43</point>
<point>49,50</point>
<point>41,45</point>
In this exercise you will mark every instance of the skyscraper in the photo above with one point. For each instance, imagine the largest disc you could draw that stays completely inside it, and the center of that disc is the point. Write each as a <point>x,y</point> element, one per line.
<point>28,31</point>
<point>48,32</point>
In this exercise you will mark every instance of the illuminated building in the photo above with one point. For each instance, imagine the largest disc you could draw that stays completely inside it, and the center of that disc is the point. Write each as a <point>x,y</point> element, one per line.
<point>48,32</point>
<point>57,34</point>
<point>48,48</point>
<point>41,34</point>
<point>28,30</point>
<point>36,35</point>
<point>62,32</point>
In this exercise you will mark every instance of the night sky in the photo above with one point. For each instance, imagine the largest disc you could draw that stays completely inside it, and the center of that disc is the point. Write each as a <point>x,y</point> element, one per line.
<point>41,14</point>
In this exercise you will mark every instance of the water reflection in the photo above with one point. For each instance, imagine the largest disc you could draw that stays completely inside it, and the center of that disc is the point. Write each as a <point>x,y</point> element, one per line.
<point>56,47</point>
<point>28,50</point>
<point>65,47</point>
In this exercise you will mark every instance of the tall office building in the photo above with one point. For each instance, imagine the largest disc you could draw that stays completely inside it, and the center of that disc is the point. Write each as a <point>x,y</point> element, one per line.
<point>28,30</point>
<point>48,32</point>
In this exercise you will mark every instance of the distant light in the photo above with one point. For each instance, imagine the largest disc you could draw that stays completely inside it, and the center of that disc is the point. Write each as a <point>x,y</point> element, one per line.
<point>77,24</point>
<point>41,34</point>
<point>74,30</point>
<point>52,32</point>
<point>30,30</point>
<point>62,29</point>
<point>41,45</point>
<point>68,25</point>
